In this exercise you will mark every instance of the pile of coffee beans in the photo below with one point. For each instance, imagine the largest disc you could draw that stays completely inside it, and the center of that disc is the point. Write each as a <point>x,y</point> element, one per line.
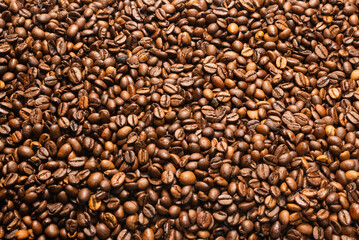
<point>183,119</point>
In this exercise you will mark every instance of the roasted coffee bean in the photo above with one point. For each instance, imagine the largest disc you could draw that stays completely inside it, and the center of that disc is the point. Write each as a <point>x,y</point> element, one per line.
<point>187,178</point>
<point>186,82</point>
<point>118,179</point>
<point>204,219</point>
<point>302,201</point>
<point>344,217</point>
<point>75,75</point>
<point>94,204</point>
<point>124,235</point>
<point>321,51</point>
<point>5,48</point>
<point>281,62</point>
<point>210,68</point>
<point>301,80</point>
<point>353,117</point>
<point>225,199</point>
<point>247,52</point>
<point>323,81</point>
<point>32,92</point>
<point>278,93</point>
<point>149,211</point>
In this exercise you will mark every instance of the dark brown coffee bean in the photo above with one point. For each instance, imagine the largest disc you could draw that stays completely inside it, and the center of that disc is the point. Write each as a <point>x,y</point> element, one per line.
<point>281,62</point>
<point>167,177</point>
<point>301,80</point>
<point>321,51</point>
<point>177,68</point>
<point>263,171</point>
<point>323,81</point>
<point>75,75</point>
<point>204,219</point>
<point>25,152</point>
<point>32,92</point>
<point>344,217</point>
<point>170,88</point>
<point>76,162</point>
<point>149,211</point>
<point>72,31</point>
<point>278,93</point>
<point>225,199</point>
<point>118,179</point>
<point>248,5</point>
<point>302,201</point>
<point>5,48</point>
<point>210,67</point>
<point>353,117</point>
<point>124,235</point>
<point>11,179</point>
<point>186,82</point>
<point>44,175</point>
<point>90,231</point>
<point>159,113</point>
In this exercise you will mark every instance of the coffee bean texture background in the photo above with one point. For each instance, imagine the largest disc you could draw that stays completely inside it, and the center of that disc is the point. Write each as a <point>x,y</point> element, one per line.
<point>179,119</point>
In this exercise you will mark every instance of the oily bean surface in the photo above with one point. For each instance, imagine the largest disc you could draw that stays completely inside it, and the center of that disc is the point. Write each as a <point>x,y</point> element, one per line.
<point>173,119</point>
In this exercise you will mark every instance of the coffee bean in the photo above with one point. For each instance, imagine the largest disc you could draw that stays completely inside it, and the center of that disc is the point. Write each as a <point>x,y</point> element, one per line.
<point>302,200</point>
<point>165,101</point>
<point>77,162</point>
<point>281,62</point>
<point>210,68</point>
<point>248,5</point>
<point>22,234</point>
<point>278,93</point>
<point>94,204</point>
<point>301,80</point>
<point>158,113</point>
<point>75,75</point>
<point>90,231</point>
<point>263,171</point>
<point>149,211</point>
<point>11,179</point>
<point>247,52</point>
<point>176,100</point>
<point>322,82</point>
<point>52,231</point>
<point>334,93</point>
<point>233,28</point>
<point>32,92</point>
<point>353,117</point>
<point>177,68</point>
<point>44,175</point>
<point>102,231</point>
<point>225,199</point>
<point>187,178</point>
<point>170,88</point>
<point>25,152</point>
<point>167,177</point>
<point>124,235</point>
<point>204,219</point>
<point>321,51</point>
<point>223,97</point>
<point>72,31</point>
<point>344,217</point>
<point>5,48</point>
<point>186,82</point>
